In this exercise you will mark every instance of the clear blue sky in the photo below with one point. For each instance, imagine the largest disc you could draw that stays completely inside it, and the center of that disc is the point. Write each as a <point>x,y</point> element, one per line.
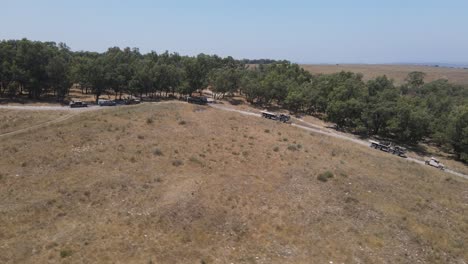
<point>333,31</point>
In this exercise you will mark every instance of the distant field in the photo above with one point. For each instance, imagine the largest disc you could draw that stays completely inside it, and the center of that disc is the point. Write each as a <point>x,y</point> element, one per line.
<point>396,72</point>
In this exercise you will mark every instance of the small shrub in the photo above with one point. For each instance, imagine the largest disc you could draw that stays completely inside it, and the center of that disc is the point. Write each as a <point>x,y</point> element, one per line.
<point>149,120</point>
<point>276,149</point>
<point>351,200</point>
<point>285,139</point>
<point>65,253</point>
<point>182,122</point>
<point>325,176</point>
<point>195,160</point>
<point>292,147</point>
<point>132,160</point>
<point>177,163</point>
<point>24,164</point>
<point>157,152</point>
<point>267,130</point>
<point>141,137</point>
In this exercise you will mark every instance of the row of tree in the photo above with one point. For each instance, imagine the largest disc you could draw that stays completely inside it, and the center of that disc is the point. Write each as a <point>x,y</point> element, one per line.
<point>409,113</point>
<point>43,68</point>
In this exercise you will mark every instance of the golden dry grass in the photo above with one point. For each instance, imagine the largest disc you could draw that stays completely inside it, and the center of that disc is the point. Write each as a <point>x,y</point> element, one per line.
<point>396,72</point>
<point>177,183</point>
<point>11,120</point>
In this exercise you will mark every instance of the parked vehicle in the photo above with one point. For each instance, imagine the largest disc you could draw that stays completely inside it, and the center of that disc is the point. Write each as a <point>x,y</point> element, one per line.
<point>197,100</point>
<point>389,147</point>
<point>274,116</point>
<point>132,101</point>
<point>74,104</point>
<point>435,163</point>
<point>103,102</point>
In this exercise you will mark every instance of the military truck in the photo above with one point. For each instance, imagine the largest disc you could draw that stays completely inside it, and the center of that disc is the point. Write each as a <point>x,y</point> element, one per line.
<point>274,116</point>
<point>389,147</point>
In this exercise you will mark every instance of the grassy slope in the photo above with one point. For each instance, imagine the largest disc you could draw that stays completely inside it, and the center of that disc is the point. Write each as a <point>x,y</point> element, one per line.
<point>396,72</point>
<point>12,120</point>
<point>135,184</point>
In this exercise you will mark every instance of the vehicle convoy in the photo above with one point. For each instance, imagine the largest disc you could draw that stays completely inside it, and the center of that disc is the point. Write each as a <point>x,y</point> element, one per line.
<point>389,147</point>
<point>274,116</point>
<point>197,100</point>
<point>435,163</point>
<point>74,104</point>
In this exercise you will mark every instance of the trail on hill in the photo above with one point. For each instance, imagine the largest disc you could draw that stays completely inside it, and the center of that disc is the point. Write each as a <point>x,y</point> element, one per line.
<point>60,119</point>
<point>320,130</point>
<point>75,111</point>
<point>48,108</point>
<point>304,125</point>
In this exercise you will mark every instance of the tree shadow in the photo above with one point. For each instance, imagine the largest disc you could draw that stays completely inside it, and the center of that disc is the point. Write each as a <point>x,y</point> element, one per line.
<point>234,101</point>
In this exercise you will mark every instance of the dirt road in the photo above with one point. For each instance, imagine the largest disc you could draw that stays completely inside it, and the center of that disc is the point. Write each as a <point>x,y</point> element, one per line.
<point>48,108</point>
<point>73,112</point>
<point>317,129</point>
<point>300,124</point>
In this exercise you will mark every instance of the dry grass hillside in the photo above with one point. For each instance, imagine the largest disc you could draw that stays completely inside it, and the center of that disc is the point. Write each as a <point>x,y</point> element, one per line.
<point>11,120</point>
<point>177,183</point>
<point>396,72</point>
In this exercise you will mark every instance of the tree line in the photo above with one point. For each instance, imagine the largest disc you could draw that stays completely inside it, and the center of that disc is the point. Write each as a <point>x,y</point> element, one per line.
<point>37,69</point>
<point>410,112</point>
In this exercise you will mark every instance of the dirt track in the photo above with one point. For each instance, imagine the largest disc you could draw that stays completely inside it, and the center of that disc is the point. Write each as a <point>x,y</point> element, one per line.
<point>48,108</point>
<point>305,125</point>
<point>317,129</point>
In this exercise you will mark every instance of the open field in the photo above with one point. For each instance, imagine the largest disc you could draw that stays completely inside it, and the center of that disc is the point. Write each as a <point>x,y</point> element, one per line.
<point>178,183</point>
<point>396,72</point>
<point>12,120</point>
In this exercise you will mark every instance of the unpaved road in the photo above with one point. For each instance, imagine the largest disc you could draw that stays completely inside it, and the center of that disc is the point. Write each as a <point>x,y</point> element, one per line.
<point>305,125</point>
<point>318,129</point>
<point>48,108</point>
<point>73,112</point>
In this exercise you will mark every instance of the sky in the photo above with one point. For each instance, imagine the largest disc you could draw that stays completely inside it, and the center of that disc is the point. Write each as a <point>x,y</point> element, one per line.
<point>333,31</point>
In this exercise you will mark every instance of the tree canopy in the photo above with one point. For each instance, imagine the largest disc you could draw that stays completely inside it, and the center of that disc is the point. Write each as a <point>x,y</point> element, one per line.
<point>415,111</point>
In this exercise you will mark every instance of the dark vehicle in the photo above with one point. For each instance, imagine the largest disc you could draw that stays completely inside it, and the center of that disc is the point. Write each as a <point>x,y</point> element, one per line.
<point>132,101</point>
<point>74,104</point>
<point>102,102</point>
<point>389,147</point>
<point>278,117</point>
<point>197,100</point>
<point>120,102</point>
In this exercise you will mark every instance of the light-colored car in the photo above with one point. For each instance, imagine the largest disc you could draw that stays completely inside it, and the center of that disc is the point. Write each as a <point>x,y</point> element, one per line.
<point>435,163</point>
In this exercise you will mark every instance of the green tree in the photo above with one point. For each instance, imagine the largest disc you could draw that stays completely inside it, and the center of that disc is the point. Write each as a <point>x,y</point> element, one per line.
<point>458,132</point>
